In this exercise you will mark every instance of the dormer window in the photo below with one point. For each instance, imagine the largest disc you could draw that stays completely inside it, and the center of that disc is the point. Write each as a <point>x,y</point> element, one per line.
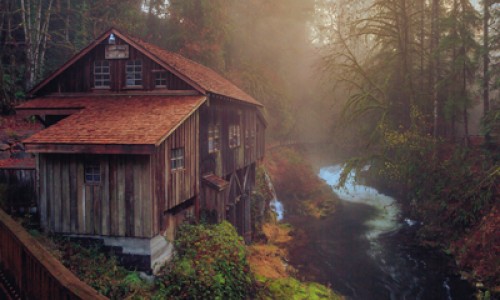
<point>133,71</point>
<point>161,79</point>
<point>102,77</point>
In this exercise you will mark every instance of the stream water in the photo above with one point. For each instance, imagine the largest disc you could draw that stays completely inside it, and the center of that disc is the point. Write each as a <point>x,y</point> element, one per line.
<point>365,250</point>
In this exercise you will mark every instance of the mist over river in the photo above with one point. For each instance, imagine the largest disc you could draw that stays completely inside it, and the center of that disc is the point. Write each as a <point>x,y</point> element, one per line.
<point>366,250</point>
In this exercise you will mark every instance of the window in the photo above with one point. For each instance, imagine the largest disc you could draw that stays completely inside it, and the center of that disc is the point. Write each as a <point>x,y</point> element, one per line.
<point>213,138</point>
<point>161,79</point>
<point>249,138</point>
<point>101,74</point>
<point>234,136</point>
<point>133,71</point>
<point>92,172</point>
<point>177,159</point>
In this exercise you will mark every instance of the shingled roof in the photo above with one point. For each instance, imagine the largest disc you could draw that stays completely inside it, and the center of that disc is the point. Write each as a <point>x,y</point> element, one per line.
<point>116,120</point>
<point>206,78</point>
<point>202,78</point>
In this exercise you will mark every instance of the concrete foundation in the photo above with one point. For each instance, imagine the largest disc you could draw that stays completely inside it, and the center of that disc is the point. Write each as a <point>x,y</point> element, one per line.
<point>142,254</point>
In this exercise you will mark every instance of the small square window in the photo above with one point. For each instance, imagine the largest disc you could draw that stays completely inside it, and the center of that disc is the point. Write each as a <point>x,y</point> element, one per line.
<point>92,173</point>
<point>161,79</point>
<point>177,159</point>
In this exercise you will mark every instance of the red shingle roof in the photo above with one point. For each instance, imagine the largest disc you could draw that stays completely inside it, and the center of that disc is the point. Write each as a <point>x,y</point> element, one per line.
<point>124,120</point>
<point>205,77</point>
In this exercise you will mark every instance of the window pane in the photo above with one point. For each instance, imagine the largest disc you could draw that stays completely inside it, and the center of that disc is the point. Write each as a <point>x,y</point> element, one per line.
<point>133,73</point>
<point>92,172</point>
<point>101,72</point>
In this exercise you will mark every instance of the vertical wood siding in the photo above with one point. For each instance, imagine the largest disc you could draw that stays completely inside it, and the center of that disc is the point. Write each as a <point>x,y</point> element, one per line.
<point>228,160</point>
<point>79,77</point>
<point>121,205</point>
<point>236,165</point>
<point>174,187</point>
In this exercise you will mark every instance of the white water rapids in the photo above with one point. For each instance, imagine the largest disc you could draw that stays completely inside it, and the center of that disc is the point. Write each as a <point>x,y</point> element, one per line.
<point>365,250</point>
<point>385,220</point>
<point>276,205</point>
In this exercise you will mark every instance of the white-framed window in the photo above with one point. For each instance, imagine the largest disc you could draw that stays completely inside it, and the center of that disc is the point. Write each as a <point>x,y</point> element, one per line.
<point>177,159</point>
<point>161,79</point>
<point>133,72</point>
<point>92,171</point>
<point>234,135</point>
<point>102,76</point>
<point>213,138</point>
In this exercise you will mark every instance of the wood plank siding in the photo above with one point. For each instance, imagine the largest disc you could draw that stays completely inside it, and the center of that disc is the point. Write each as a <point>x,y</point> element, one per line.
<point>119,205</point>
<point>170,139</point>
<point>229,159</point>
<point>79,77</point>
<point>236,165</point>
<point>174,187</point>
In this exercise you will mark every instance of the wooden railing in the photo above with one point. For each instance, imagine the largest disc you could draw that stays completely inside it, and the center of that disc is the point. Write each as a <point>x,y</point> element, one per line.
<point>35,272</point>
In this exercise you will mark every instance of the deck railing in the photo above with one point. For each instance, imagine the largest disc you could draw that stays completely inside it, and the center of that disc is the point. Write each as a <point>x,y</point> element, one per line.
<point>35,272</point>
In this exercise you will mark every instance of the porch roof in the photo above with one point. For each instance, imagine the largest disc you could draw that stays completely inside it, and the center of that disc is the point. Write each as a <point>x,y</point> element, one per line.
<point>111,120</point>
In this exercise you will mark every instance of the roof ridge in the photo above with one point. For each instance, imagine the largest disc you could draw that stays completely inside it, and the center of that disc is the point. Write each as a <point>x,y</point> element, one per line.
<point>145,44</point>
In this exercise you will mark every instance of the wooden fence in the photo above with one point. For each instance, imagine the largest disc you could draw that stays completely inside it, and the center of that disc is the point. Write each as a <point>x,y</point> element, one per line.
<point>35,272</point>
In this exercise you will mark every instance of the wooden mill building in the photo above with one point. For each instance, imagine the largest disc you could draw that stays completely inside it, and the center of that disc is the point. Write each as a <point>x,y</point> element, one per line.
<point>139,139</point>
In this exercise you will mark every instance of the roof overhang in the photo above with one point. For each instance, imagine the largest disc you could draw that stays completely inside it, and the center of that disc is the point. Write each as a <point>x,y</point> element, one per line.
<point>215,182</point>
<point>89,148</point>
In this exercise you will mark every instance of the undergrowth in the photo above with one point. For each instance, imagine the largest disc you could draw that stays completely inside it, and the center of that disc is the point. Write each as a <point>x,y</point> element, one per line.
<point>210,264</point>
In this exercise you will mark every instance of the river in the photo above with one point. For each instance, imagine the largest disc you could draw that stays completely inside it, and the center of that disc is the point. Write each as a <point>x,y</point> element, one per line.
<point>367,251</point>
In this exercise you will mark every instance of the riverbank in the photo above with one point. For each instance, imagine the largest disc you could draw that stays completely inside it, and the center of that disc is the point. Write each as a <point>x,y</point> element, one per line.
<point>454,199</point>
<point>302,193</point>
<point>297,183</point>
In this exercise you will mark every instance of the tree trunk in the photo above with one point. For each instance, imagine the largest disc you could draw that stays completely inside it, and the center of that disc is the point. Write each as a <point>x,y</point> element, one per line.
<point>66,23</point>
<point>35,35</point>
<point>434,64</point>
<point>486,58</point>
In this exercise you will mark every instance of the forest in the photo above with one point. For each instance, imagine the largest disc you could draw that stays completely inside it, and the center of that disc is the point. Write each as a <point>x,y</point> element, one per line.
<point>410,88</point>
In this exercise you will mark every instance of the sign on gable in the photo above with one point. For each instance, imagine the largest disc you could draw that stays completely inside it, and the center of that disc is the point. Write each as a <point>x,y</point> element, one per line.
<point>116,51</point>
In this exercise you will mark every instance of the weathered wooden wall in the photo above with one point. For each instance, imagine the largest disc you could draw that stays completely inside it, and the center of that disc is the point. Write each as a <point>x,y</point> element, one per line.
<point>24,177</point>
<point>227,160</point>
<point>36,273</point>
<point>20,189</point>
<point>79,77</point>
<point>174,187</point>
<point>121,205</point>
<point>238,197</point>
<point>233,164</point>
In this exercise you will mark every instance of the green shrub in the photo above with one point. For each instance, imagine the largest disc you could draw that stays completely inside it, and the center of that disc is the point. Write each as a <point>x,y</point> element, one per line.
<point>291,288</point>
<point>100,271</point>
<point>210,264</point>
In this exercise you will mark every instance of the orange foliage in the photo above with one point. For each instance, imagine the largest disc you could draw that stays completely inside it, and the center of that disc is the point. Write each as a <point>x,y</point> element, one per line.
<point>298,185</point>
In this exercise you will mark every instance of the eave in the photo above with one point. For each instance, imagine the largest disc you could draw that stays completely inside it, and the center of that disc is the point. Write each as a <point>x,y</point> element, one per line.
<point>143,149</point>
